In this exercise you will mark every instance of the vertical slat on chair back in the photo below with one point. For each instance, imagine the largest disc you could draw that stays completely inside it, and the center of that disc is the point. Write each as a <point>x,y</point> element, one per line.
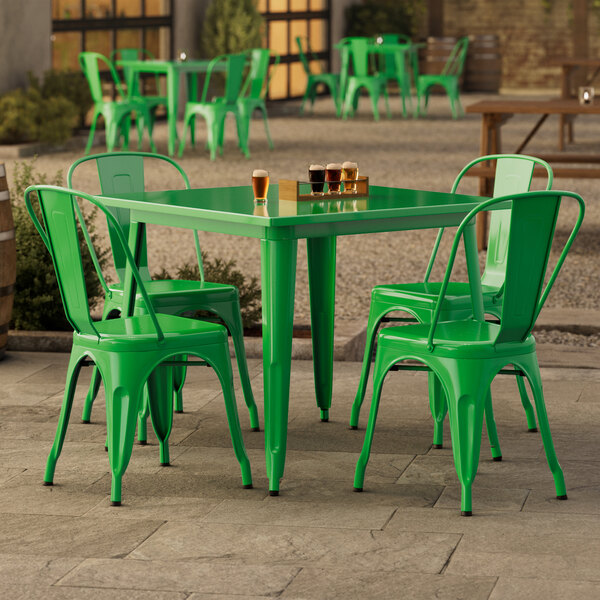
<point>360,56</point>
<point>61,229</point>
<point>91,70</point>
<point>303,53</point>
<point>259,68</point>
<point>513,176</point>
<point>456,61</point>
<point>532,226</point>
<point>235,77</point>
<point>123,174</point>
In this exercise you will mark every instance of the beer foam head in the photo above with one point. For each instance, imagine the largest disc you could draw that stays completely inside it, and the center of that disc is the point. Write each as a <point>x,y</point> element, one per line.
<point>259,173</point>
<point>316,168</point>
<point>349,165</point>
<point>334,166</point>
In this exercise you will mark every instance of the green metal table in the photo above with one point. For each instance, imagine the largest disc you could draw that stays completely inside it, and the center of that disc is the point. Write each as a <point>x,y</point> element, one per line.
<point>279,225</point>
<point>173,70</point>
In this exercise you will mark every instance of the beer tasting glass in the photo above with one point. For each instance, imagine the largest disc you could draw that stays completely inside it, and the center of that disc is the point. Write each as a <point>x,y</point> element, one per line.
<point>316,176</point>
<point>333,176</point>
<point>260,184</point>
<point>350,175</point>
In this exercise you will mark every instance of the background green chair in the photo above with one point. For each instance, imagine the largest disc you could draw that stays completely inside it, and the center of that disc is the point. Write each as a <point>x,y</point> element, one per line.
<point>255,88</point>
<point>376,85</point>
<point>116,113</point>
<point>134,86</point>
<point>466,355</point>
<point>513,175</point>
<point>215,111</point>
<point>448,79</point>
<point>129,351</point>
<point>124,173</point>
<point>313,80</point>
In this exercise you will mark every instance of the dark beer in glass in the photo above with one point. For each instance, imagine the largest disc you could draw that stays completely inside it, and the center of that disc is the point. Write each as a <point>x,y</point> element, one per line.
<point>333,176</point>
<point>316,176</point>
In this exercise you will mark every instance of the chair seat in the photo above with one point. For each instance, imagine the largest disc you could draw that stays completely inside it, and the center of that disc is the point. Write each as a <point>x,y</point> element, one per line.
<point>424,295</point>
<point>166,287</point>
<point>454,339</point>
<point>138,333</point>
<point>426,80</point>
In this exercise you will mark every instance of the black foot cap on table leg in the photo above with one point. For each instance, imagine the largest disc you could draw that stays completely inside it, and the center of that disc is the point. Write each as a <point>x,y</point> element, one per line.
<point>142,442</point>
<point>255,429</point>
<point>562,497</point>
<point>532,430</point>
<point>167,464</point>
<point>497,458</point>
<point>437,446</point>
<point>325,420</point>
<point>353,427</point>
<point>466,513</point>
<point>105,448</point>
<point>273,492</point>
<point>48,482</point>
<point>179,412</point>
<point>247,486</point>
<point>358,489</point>
<point>85,422</point>
<point>115,503</point>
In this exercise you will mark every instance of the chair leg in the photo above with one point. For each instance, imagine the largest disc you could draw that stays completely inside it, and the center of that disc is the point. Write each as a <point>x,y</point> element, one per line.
<point>529,413</point>
<point>374,95</point>
<point>243,132</point>
<point>63,420</point>
<point>187,122</point>
<point>490,425</point>
<point>439,407</point>
<point>532,370</point>
<point>305,97</point>
<point>90,141</point>
<point>142,427</point>
<point>160,399</point>
<point>91,395</point>
<point>266,122</point>
<point>387,102</point>
<point>179,374</point>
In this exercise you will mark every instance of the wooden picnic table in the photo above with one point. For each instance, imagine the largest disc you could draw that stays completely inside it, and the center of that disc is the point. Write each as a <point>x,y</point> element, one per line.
<point>495,113</point>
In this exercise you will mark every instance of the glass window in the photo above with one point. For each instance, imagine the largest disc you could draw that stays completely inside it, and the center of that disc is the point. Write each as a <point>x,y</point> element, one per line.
<point>98,9</point>
<point>158,42</point>
<point>128,38</point>
<point>66,46</point>
<point>278,6</point>
<point>262,6</point>
<point>297,28</point>
<point>129,8</point>
<point>298,5</point>
<point>278,37</point>
<point>318,35</point>
<point>99,41</point>
<point>278,87</point>
<point>297,79</point>
<point>157,8</point>
<point>66,9</point>
<point>318,4</point>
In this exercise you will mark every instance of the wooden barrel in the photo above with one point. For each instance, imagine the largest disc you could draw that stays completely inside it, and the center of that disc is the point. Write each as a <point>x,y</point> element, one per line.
<point>483,71</point>
<point>433,57</point>
<point>8,260</point>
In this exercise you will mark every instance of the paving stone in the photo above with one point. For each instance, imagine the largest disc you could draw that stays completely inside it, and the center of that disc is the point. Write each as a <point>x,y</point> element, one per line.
<point>590,393</point>
<point>53,536</point>
<point>22,394</point>
<point>18,366</point>
<point>582,499</point>
<point>511,588</point>
<point>485,498</point>
<point>33,570</point>
<point>25,592</point>
<point>376,550</point>
<point>6,474</point>
<point>352,584</point>
<point>229,578</point>
<point>300,514</point>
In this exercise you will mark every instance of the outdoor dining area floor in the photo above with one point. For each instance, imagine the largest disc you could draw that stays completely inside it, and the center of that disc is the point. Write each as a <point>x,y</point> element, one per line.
<point>190,531</point>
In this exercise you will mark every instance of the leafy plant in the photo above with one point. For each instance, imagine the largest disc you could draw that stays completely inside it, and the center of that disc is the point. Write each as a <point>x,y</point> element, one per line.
<point>38,303</point>
<point>231,26</point>
<point>218,270</point>
<point>384,16</point>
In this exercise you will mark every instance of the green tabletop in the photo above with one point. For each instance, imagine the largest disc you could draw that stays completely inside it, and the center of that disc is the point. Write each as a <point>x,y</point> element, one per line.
<point>232,210</point>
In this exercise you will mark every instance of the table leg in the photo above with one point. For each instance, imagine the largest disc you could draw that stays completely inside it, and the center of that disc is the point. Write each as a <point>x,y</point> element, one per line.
<point>172,105</point>
<point>321,284</point>
<point>278,278</point>
<point>137,233</point>
<point>192,96</point>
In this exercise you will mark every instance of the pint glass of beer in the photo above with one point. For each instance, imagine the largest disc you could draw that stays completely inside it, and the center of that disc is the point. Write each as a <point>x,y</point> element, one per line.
<point>333,176</point>
<point>349,176</point>
<point>316,176</point>
<point>260,184</point>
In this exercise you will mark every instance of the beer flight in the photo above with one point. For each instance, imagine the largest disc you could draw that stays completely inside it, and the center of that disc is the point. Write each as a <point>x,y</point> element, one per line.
<point>334,175</point>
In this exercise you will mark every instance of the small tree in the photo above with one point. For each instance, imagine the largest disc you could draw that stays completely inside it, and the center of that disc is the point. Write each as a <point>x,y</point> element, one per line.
<point>371,17</point>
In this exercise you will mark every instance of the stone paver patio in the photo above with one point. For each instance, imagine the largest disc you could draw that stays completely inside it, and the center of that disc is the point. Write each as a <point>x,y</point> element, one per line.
<point>191,532</point>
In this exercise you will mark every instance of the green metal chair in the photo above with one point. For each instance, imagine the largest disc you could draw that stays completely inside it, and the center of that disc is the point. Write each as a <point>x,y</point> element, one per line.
<point>313,80</point>
<point>375,85</point>
<point>215,111</point>
<point>129,351</point>
<point>466,355</point>
<point>448,79</point>
<point>116,113</point>
<point>134,88</point>
<point>513,175</point>
<point>254,90</point>
<point>124,173</point>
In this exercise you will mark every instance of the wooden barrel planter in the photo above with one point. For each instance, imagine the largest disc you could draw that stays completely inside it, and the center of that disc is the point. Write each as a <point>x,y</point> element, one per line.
<point>483,71</point>
<point>8,260</point>
<point>433,58</point>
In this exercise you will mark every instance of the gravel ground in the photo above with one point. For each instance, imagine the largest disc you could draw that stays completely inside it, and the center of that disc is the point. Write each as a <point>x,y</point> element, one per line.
<point>425,153</point>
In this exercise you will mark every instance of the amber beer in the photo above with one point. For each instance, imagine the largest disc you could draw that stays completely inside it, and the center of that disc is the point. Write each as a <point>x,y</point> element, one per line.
<point>350,175</point>
<point>333,176</point>
<point>316,176</point>
<point>260,184</point>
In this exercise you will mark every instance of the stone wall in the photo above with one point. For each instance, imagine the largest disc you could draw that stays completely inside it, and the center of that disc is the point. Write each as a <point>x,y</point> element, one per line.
<point>528,36</point>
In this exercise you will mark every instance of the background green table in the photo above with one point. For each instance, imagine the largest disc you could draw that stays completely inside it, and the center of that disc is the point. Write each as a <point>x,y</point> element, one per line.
<point>173,70</point>
<point>232,210</point>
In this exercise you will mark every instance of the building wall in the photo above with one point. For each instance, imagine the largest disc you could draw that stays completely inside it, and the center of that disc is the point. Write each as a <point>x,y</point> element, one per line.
<point>187,25</point>
<point>528,36</point>
<point>25,31</point>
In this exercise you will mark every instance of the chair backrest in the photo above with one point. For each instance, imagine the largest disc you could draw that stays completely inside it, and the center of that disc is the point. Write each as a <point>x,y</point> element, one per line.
<point>456,61</point>
<point>300,41</point>
<point>123,173</point>
<point>514,173</point>
<point>359,53</point>
<point>392,38</point>
<point>530,237</point>
<point>257,80</point>
<point>90,65</point>
<point>59,231</point>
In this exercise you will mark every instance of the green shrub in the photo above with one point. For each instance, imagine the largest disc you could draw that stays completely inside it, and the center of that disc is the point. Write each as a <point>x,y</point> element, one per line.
<point>384,16</point>
<point>220,271</point>
<point>231,26</point>
<point>55,119</point>
<point>38,304</point>
<point>18,111</point>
